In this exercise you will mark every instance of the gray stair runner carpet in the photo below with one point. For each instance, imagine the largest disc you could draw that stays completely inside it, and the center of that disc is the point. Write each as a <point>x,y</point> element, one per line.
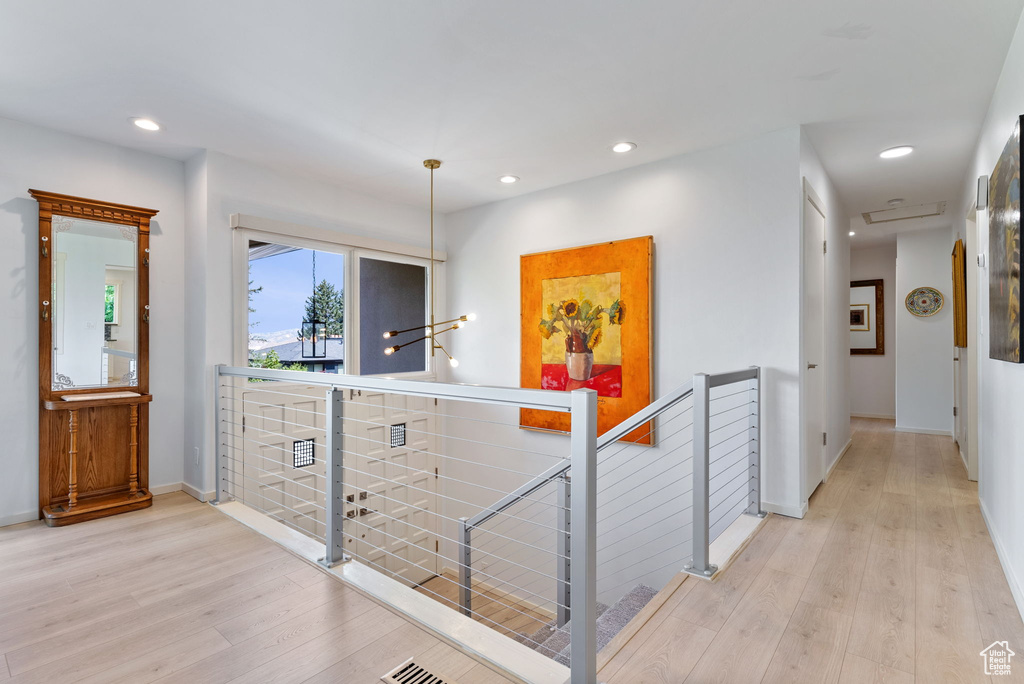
<point>554,643</point>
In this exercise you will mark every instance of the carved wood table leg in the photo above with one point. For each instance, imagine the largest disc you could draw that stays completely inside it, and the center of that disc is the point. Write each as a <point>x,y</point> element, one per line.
<point>73,453</point>
<point>133,480</point>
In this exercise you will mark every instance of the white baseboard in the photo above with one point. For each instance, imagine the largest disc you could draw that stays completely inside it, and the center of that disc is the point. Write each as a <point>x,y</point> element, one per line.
<point>165,489</point>
<point>197,493</point>
<point>878,416</point>
<point>842,452</point>
<point>924,431</point>
<point>789,511</point>
<point>1004,560</point>
<point>16,518</point>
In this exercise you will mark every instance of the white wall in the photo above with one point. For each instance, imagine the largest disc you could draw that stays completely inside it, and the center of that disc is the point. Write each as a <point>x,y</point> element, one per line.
<point>219,186</point>
<point>1001,385</point>
<point>837,283</point>
<point>873,378</point>
<point>47,160</point>
<point>726,232</point>
<point>924,344</point>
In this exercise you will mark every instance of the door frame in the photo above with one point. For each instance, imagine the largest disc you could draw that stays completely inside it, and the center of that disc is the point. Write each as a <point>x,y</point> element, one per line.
<point>809,451</point>
<point>971,228</point>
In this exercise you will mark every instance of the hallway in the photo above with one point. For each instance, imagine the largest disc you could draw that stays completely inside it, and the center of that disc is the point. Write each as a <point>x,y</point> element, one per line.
<point>891,577</point>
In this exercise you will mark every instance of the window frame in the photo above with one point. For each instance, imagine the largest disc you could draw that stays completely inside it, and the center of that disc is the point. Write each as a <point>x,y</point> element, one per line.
<point>352,248</point>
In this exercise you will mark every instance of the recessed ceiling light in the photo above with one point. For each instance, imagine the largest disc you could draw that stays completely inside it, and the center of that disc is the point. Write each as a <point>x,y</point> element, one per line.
<point>509,179</point>
<point>893,152</point>
<point>895,202</point>
<point>852,233</point>
<point>623,147</point>
<point>146,124</point>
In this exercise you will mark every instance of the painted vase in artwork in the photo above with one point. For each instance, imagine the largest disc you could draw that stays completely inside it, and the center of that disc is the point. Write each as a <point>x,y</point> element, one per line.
<point>580,321</point>
<point>579,365</point>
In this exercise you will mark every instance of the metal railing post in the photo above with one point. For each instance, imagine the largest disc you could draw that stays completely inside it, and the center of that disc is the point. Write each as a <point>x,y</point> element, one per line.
<point>583,544</point>
<point>754,464</point>
<point>465,567</point>
<point>221,474</point>
<point>699,565</point>
<point>562,590</point>
<point>334,492</point>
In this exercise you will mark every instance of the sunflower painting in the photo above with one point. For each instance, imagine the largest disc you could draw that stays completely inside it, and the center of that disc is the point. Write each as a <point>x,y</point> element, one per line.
<point>1004,247</point>
<point>586,323</point>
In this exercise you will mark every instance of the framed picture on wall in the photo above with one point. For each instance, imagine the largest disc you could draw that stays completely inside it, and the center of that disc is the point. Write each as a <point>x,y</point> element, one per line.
<point>586,322</point>
<point>860,317</point>
<point>1004,253</point>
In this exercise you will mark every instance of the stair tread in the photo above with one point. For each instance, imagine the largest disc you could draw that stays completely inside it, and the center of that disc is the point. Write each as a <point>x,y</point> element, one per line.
<point>612,620</point>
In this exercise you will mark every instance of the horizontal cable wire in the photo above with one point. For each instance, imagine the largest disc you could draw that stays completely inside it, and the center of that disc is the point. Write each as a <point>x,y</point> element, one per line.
<point>445,517</point>
<point>449,560</point>
<point>612,499</point>
<point>283,477</point>
<point>262,510</point>
<point>728,482</point>
<point>673,531</point>
<point>733,436</point>
<point>635,579</point>
<point>722,427</point>
<point>448,600</point>
<point>724,411</point>
<point>375,441</point>
<point>733,394</point>
<point>439,414</point>
<point>645,452</point>
<point>728,510</point>
<point>398,465</point>
<point>729,453</point>
<point>627,445</point>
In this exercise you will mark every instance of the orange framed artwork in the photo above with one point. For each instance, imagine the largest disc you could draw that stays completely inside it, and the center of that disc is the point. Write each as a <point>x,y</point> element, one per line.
<point>586,322</point>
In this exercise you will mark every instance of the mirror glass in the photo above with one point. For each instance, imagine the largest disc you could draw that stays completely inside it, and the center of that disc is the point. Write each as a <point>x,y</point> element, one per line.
<point>93,304</point>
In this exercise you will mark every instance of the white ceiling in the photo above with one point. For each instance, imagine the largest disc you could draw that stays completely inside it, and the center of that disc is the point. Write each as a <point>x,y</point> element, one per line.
<point>360,92</point>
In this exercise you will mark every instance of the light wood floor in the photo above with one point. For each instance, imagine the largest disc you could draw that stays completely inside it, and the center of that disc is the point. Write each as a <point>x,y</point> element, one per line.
<point>891,577</point>
<point>181,593</point>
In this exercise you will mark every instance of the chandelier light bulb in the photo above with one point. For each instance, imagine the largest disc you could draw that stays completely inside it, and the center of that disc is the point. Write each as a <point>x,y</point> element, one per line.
<point>390,350</point>
<point>454,362</point>
<point>471,317</point>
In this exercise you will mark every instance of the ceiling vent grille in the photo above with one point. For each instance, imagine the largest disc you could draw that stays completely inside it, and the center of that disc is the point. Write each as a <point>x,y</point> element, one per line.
<point>905,213</point>
<point>411,673</point>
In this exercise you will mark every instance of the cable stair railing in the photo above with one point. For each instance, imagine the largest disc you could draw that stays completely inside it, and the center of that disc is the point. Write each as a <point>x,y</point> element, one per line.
<point>706,505</point>
<point>411,480</point>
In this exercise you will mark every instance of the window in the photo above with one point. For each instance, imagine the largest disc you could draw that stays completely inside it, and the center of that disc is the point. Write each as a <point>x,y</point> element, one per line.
<point>392,296</point>
<point>296,308</point>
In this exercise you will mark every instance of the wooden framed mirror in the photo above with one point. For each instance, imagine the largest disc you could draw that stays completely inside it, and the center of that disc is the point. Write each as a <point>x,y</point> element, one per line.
<point>93,358</point>
<point>867,317</point>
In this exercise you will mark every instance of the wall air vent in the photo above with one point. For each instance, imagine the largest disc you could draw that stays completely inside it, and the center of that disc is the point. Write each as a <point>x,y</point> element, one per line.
<point>411,673</point>
<point>905,213</point>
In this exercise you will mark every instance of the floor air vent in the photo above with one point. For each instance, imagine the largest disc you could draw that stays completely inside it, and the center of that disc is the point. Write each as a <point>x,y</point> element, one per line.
<point>411,673</point>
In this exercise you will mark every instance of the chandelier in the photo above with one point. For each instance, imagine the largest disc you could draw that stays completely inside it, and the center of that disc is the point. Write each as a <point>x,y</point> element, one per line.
<point>434,328</point>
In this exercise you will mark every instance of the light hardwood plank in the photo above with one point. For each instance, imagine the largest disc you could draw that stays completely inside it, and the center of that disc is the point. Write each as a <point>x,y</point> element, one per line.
<point>813,646</point>
<point>246,589</point>
<point>77,663</point>
<point>163,661</point>
<point>355,626</point>
<point>857,670</point>
<point>481,674</point>
<point>710,604</point>
<point>948,637</point>
<point>667,656</point>
<point>835,580</point>
<point>5,672</point>
<point>798,551</point>
<point>753,630</point>
<point>341,658</point>
<point>938,536</point>
<point>270,615</point>
<point>884,622</point>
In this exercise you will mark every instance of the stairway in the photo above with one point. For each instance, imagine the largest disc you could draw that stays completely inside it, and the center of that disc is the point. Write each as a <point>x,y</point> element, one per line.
<point>554,643</point>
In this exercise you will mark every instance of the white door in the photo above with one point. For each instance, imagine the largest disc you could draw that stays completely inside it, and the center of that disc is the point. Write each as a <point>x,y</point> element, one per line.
<point>969,376</point>
<point>813,371</point>
<point>959,390</point>
<point>391,442</point>
<point>283,442</point>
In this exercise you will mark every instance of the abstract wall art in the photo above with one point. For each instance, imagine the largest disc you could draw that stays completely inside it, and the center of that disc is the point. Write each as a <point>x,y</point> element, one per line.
<point>1004,253</point>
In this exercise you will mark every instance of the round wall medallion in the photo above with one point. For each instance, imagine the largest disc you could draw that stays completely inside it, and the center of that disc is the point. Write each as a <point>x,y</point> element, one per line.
<point>924,301</point>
